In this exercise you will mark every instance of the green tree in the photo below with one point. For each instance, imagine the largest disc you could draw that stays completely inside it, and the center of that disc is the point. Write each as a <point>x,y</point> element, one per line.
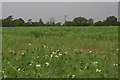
<point>47,24</point>
<point>21,21</point>
<point>51,22</point>
<point>98,23</point>
<point>18,22</point>
<point>40,23</point>
<point>110,21</point>
<point>35,24</point>
<point>90,22</point>
<point>10,18</point>
<point>80,21</point>
<point>0,22</point>
<point>58,24</point>
<point>29,23</point>
<point>68,23</point>
<point>8,21</point>
<point>118,23</point>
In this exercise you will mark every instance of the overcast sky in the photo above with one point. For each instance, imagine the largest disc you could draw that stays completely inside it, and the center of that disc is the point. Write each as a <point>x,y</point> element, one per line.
<point>60,0</point>
<point>45,10</point>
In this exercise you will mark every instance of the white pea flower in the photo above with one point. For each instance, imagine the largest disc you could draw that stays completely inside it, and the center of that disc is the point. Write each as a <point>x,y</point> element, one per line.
<point>38,57</point>
<point>75,49</point>
<point>38,65</point>
<point>85,67</point>
<point>95,62</point>
<point>60,54</point>
<point>115,64</point>
<point>66,52</point>
<point>43,46</point>
<point>67,75</point>
<point>30,64</point>
<point>80,62</point>
<point>31,61</point>
<point>98,70</point>
<point>18,69</point>
<point>82,50</point>
<point>23,53</point>
<point>53,52</point>
<point>51,55</point>
<point>5,76</point>
<point>58,50</point>
<point>47,63</point>
<point>3,71</point>
<point>118,49</point>
<point>90,51</point>
<point>56,56</point>
<point>73,76</point>
<point>29,44</point>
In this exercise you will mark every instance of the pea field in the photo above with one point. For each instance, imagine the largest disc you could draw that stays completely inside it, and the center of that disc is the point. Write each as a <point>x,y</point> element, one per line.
<point>60,52</point>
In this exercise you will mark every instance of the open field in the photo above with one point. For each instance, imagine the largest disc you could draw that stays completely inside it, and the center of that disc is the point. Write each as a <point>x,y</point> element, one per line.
<point>60,52</point>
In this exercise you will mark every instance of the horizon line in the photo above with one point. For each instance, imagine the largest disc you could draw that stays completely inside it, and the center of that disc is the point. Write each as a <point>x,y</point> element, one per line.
<point>59,1</point>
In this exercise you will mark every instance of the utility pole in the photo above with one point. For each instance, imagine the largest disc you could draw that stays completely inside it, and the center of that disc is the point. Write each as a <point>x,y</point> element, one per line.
<point>119,11</point>
<point>65,17</point>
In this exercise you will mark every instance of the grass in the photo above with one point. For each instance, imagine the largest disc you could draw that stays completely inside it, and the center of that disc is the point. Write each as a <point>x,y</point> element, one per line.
<point>60,52</point>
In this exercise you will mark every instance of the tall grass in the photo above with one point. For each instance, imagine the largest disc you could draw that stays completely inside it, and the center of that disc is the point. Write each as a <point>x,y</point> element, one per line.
<point>60,52</point>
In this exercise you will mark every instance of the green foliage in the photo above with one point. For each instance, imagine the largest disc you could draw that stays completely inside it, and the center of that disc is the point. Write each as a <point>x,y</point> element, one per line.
<point>18,22</point>
<point>118,23</point>
<point>40,23</point>
<point>37,34</point>
<point>110,21</point>
<point>0,22</point>
<point>68,23</point>
<point>60,52</point>
<point>6,22</point>
<point>51,22</point>
<point>99,23</point>
<point>10,18</point>
<point>90,22</point>
<point>78,21</point>
<point>58,24</point>
<point>27,24</point>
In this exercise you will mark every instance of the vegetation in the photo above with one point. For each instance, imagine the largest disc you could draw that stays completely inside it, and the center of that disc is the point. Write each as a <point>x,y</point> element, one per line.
<point>60,52</point>
<point>78,21</point>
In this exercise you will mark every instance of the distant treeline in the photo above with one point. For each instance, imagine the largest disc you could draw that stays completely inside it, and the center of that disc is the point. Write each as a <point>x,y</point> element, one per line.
<point>78,21</point>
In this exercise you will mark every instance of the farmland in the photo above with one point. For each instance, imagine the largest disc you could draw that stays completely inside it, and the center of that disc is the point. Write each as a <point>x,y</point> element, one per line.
<point>60,52</point>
